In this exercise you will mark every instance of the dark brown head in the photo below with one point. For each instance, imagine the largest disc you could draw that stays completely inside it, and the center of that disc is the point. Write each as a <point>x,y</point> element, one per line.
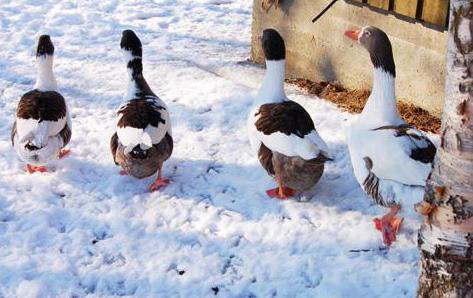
<point>377,43</point>
<point>45,46</point>
<point>131,43</point>
<point>273,45</point>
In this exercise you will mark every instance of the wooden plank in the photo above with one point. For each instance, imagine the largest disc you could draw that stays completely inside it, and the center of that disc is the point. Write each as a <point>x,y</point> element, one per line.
<point>407,8</point>
<point>383,4</point>
<point>435,12</point>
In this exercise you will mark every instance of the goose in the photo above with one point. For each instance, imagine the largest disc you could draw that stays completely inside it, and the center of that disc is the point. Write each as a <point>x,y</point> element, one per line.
<point>42,127</point>
<point>281,131</point>
<point>391,159</point>
<point>143,137</point>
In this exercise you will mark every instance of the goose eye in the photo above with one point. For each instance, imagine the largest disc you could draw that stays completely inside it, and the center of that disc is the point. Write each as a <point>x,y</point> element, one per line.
<point>367,33</point>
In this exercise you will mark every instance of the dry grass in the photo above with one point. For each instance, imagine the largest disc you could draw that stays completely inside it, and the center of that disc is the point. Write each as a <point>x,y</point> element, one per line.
<point>353,101</point>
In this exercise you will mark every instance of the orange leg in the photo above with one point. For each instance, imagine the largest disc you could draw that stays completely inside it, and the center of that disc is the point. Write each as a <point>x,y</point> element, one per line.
<point>389,225</point>
<point>159,182</point>
<point>281,192</point>
<point>63,153</point>
<point>33,169</point>
<point>123,173</point>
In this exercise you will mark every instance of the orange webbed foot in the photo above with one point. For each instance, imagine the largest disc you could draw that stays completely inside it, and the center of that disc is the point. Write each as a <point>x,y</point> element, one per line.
<point>389,225</point>
<point>123,173</point>
<point>159,183</point>
<point>282,193</point>
<point>63,153</point>
<point>33,169</point>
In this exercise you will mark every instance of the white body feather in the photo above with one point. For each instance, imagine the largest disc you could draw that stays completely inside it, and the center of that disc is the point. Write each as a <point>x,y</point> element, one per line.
<point>47,153</point>
<point>401,178</point>
<point>31,130</point>
<point>272,91</point>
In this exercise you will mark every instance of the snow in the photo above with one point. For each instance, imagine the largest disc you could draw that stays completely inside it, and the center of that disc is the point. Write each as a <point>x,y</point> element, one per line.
<point>84,230</point>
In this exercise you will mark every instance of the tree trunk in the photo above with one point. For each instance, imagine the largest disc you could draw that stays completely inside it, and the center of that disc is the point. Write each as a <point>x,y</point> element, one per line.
<point>446,239</point>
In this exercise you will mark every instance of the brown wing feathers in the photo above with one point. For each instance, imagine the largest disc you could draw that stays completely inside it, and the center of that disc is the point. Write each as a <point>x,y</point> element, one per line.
<point>13,133</point>
<point>43,106</point>
<point>424,155</point>
<point>139,113</point>
<point>265,156</point>
<point>65,134</point>
<point>114,146</point>
<point>287,117</point>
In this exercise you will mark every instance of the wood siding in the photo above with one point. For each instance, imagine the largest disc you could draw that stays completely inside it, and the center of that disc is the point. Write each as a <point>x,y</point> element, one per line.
<point>434,12</point>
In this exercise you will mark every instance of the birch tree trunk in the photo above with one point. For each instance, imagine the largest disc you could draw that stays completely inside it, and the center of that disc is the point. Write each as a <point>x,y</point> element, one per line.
<point>446,239</point>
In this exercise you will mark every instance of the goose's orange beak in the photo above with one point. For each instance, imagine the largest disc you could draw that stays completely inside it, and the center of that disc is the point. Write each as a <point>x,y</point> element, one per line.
<point>353,34</point>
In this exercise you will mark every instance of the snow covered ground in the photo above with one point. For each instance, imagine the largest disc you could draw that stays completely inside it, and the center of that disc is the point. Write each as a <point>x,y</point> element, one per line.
<point>84,230</point>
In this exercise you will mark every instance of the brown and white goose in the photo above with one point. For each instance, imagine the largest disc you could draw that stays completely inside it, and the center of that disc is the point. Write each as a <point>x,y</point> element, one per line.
<point>42,127</point>
<point>281,131</point>
<point>391,159</point>
<point>143,138</point>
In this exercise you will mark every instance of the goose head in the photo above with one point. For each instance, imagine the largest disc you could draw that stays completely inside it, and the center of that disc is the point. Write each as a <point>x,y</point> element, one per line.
<point>377,43</point>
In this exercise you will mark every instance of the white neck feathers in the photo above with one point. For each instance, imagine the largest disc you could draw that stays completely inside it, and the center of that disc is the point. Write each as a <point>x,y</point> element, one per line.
<point>45,80</point>
<point>132,88</point>
<point>381,105</point>
<point>272,89</point>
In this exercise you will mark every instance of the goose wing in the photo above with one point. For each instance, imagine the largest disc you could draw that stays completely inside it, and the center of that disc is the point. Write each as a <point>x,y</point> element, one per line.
<point>287,128</point>
<point>398,153</point>
<point>142,122</point>
<point>41,115</point>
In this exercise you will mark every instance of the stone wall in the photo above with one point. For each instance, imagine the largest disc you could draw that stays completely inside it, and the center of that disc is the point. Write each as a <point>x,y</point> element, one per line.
<point>321,52</point>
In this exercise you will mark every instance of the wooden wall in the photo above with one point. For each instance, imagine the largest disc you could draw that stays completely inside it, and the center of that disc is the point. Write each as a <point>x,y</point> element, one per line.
<point>428,11</point>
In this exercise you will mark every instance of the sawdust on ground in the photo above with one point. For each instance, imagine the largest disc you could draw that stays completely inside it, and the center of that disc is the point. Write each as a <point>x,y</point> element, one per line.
<point>353,101</point>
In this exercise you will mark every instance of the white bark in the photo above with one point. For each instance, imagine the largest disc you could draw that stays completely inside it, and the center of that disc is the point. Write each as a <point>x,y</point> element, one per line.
<point>446,239</point>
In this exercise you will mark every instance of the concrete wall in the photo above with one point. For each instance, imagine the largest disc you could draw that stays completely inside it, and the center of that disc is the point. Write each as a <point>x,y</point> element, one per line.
<point>320,51</point>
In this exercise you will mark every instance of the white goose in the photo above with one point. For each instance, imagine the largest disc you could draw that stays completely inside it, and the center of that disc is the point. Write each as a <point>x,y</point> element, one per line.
<point>143,138</point>
<point>43,125</point>
<point>281,131</point>
<point>391,159</point>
